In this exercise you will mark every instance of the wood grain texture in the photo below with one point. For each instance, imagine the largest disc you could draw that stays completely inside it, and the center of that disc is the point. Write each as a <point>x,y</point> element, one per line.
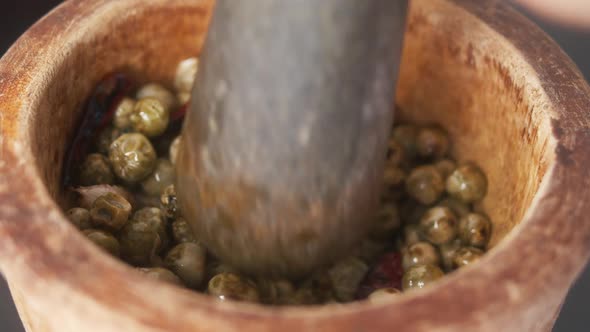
<point>511,99</point>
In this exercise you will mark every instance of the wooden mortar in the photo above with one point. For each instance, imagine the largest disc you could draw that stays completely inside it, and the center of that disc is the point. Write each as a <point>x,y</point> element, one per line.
<point>510,98</point>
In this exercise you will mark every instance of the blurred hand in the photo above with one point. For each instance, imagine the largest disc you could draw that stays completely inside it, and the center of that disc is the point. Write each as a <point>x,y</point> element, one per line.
<point>568,12</point>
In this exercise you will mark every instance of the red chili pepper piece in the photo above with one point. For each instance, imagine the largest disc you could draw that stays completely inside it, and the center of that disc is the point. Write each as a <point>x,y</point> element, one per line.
<point>179,114</point>
<point>387,273</point>
<point>98,113</point>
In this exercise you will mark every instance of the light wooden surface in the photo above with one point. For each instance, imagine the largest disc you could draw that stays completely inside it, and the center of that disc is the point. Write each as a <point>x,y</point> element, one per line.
<point>511,99</point>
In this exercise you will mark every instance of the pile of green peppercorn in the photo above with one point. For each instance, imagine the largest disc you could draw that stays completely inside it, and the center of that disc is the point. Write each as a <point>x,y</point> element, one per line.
<point>126,204</point>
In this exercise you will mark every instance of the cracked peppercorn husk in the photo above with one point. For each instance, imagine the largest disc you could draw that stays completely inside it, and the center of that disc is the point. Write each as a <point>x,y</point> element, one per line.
<point>110,211</point>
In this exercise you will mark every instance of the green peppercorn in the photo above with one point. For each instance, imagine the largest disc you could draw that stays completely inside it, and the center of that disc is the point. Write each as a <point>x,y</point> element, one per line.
<point>386,222</point>
<point>420,253</point>
<point>320,285</point>
<point>466,255</point>
<point>432,142</point>
<point>155,218</point>
<point>140,242</point>
<point>182,232</point>
<point>393,176</point>
<point>275,291</point>
<point>475,230</point>
<point>87,195</point>
<point>467,183</point>
<point>162,176</point>
<point>396,154</point>
<point>185,74</point>
<point>438,225</point>
<point>160,274</point>
<point>425,184</point>
<point>230,286</point>
<point>393,181</point>
<point>183,97</point>
<point>420,276</point>
<point>411,234</point>
<point>445,167</point>
<point>303,295</point>
<point>104,240</point>
<point>406,135</point>
<point>459,208</point>
<point>106,137</point>
<point>123,111</point>
<point>110,211</point>
<point>79,217</point>
<point>150,117</point>
<point>383,295</point>
<point>157,91</point>
<point>132,157</point>
<point>168,202</point>
<point>346,276</point>
<point>187,260</point>
<point>96,170</point>
<point>447,253</point>
<point>173,151</point>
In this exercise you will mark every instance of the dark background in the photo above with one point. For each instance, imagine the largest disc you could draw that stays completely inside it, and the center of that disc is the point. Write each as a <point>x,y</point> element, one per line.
<point>17,16</point>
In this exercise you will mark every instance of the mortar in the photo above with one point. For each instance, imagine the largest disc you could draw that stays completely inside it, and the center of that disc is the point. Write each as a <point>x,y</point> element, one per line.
<point>511,100</point>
